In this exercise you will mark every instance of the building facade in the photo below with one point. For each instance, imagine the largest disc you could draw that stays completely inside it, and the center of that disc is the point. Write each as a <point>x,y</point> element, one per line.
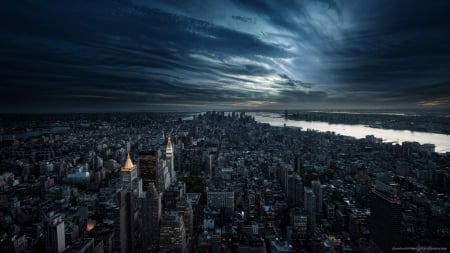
<point>55,240</point>
<point>172,233</point>
<point>130,178</point>
<point>385,217</point>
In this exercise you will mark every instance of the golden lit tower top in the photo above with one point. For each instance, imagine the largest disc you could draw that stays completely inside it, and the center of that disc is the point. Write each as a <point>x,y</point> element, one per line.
<point>130,178</point>
<point>129,166</point>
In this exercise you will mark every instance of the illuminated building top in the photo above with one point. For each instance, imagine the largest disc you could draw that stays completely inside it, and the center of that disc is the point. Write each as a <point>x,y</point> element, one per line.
<point>129,166</point>
<point>169,149</point>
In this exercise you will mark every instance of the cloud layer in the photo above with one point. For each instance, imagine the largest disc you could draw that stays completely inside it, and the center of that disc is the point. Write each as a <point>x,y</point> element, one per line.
<point>135,55</point>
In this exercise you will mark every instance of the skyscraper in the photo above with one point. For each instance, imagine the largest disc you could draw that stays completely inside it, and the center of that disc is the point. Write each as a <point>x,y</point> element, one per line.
<point>172,233</point>
<point>127,230</point>
<point>130,179</point>
<point>164,178</point>
<point>55,240</point>
<point>298,164</point>
<point>310,207</point>
<point>148,168</point>
<point>184,208</point>
<point>283,176</point>
<point>170,160</point>
<point>151,216</point>
<point>385,217</point>
<point>299,222</point>
<point>173,194</point>
<point>295,191</point>
<point>317,189</point>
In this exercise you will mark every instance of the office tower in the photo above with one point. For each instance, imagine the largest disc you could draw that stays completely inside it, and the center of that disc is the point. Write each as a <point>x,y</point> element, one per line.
<point>317,189</point>
<point>298,164</point>
<point>164,178</point>
<point>220,199</point>
<point>358,220</point>
<point>295,191</point>
<point>172,234</point>
<point>210,165</point>
<point>148,168</point>
<point>130,179</point>
<point>173,194</point>
<point>209,242</point>
<point>170,160</point>
<point>252,207</point>
<point>385,217</point>
<point>127,232</point>
<point>310,207</point>
<point>299,222</point>
<point>55,240</point>
<point>151,215</point>
<point>330,210</point>
<point>116,226</point>
<point>184,208</point>
<point>283,175</point>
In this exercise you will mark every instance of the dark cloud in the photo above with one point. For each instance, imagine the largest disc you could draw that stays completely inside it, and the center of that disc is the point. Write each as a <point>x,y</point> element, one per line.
<point>125,53</point>
<point>131,54</point>
<point>243,19</point>
<point>395,44</point>
<point>286,80</point>
<point>300,96</point>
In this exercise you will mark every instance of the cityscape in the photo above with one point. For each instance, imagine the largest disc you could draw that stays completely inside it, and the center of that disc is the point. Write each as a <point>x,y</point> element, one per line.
<point>215,182</point>
<point>224,126</point>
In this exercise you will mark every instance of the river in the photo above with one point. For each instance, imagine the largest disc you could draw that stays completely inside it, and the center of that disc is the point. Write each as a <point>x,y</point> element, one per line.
<point>34,133</point>
<point>441,141</point>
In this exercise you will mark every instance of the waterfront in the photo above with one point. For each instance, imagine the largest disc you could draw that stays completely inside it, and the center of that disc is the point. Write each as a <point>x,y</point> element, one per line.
<point>34,133</point>
<point>441,141</point>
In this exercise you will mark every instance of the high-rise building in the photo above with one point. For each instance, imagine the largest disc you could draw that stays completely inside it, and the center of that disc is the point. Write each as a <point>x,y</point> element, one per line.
<point>127,229</point>
<point>209,241</point>
<point>151,216</point>
<point>184,208</point>
<point>170,160</point>
<point>210,165</point>
<point>115,210</point>
<point>317,189</point>
<point>148,168</point>
<point>385,217</point>
<point>55,240</point>
<point>282,173</point>
<point>173,194</point>
<point>172,236</point>
<point>299,222</point>
<point>310,207</point>
<point>298,166</point>
<point>330,210</point>
<point>295,191</point>
<point>164,179</point>
<point>130,179</point>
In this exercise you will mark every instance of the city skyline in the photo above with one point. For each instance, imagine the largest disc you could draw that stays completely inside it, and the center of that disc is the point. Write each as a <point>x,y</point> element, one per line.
<point>223,55</point>
<point>216,182</point>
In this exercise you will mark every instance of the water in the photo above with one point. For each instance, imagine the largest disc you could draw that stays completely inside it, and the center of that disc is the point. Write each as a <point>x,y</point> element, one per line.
<point>441,141</point>
<point>35,133</point>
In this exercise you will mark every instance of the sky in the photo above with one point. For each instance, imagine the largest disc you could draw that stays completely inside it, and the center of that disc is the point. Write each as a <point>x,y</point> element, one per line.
<point>136,55</point>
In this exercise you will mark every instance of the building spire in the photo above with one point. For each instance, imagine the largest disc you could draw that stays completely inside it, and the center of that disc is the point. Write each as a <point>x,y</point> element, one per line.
<point>169,148</point>
<point>128,163</point>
